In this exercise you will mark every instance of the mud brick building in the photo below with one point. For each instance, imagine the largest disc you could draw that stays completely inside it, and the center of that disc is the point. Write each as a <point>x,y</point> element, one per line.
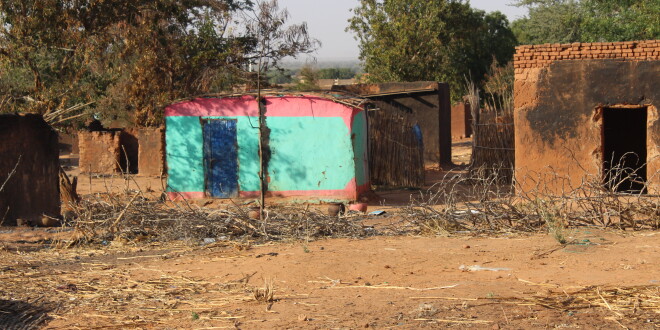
<point>100,152</point>
<point>109,151</point>
<point>151,151</point>
<point>583,108</point>
<point>30,146</point>
<point>315,148</point>
<point>461,121</point>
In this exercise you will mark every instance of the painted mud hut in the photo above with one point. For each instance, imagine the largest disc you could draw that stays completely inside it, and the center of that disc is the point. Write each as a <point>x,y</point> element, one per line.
<point>316,148</point>
<point>29,170</point>
<point>588,112</point>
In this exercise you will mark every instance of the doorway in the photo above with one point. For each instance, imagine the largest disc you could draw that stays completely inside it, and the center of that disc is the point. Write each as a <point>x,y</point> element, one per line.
<point>220,158</point>
<point>624,149</point>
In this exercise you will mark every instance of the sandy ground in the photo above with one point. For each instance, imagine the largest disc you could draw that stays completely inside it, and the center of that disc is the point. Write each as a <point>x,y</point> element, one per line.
<point>382,282</point>
<point>529,281</point>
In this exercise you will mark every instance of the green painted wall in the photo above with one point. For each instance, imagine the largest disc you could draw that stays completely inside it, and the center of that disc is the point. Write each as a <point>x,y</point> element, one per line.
<point>307,153</point>
<point>183,141</point>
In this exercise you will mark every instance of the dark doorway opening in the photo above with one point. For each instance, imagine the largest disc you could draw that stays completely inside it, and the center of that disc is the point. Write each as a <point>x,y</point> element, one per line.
<point>128,152</point>
<point>624,149</point>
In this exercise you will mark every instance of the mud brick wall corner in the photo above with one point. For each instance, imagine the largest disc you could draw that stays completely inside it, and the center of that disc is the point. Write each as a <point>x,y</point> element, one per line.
<point>99,152</point>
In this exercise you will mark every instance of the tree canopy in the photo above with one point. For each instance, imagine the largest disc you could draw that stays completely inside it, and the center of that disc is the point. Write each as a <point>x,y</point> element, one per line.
<point>442,40</point>
<point>566,21</point>
<point>130,58</point>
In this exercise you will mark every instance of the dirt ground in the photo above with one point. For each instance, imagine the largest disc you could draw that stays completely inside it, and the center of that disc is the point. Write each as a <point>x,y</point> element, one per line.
<point>382,282</point>
<point>601,279</point>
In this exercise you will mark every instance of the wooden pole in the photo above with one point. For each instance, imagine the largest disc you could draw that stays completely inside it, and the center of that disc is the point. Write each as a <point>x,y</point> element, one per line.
<point>262,127</point>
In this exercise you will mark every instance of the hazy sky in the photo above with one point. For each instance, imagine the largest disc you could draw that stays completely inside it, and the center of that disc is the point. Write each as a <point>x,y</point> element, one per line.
<point>327,20</point>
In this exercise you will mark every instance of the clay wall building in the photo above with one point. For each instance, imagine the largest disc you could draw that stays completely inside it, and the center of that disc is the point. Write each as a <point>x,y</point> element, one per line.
<point>315,148</point>
<point>130,150</point>
<point>68,144</point>
<point>151,154</point>
<point>461,121</point>
<point>30,145</point>
<point>99,152</point>
<point>579,106</point>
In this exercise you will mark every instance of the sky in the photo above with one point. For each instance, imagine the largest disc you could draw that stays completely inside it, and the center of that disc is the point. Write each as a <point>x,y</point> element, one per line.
<point>327,21</point>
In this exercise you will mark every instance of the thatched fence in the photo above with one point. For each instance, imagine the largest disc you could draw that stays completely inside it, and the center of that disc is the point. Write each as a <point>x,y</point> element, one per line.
<point>493,145</point>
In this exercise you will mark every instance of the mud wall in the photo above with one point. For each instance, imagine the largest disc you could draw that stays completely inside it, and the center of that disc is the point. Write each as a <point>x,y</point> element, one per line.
<point>33,190</point>
<point>151,154</point>
<point>558,93</point>
<point>461,121</point>
<point>100,152</point>
<point>68,144</point>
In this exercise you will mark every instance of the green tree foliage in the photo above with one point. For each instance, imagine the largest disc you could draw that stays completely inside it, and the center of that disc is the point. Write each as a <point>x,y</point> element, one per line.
<point>280,76</point>
<point>443,40</point>
<point>132,57</point>
<point>307,79</point>
<point>336,73</point>
<point>566,21</point>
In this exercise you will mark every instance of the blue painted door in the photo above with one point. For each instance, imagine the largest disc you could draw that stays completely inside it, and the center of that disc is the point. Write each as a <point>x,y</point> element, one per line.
<point>221,158</point>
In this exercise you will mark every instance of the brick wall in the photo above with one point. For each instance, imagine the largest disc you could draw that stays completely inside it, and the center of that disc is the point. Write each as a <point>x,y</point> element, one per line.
<point>99,152</point>
<point>539,56</point>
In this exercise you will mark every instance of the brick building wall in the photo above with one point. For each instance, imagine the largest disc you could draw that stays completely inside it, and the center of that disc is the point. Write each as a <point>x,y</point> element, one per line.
<point>540,56</point>
<point>100,152</point>
<point>560,93</point>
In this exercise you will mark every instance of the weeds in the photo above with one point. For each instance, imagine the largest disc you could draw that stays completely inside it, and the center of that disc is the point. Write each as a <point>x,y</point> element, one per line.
<point>478,201</point>
<point>265,294</point>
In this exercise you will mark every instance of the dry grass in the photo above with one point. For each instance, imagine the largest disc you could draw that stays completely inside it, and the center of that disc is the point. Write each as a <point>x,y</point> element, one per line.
<point>629,305</point>
<point>135,218</point>
<point>114,296</point>
<point>478,202</point>
<point>265,294</point>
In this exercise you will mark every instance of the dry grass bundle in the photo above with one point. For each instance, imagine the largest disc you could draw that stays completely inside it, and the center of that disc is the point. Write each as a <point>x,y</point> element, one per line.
<point>493,145</point>
<point>630,302</point>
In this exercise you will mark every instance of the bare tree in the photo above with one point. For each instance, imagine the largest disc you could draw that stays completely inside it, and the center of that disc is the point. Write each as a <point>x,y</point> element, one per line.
<point>275,40</point>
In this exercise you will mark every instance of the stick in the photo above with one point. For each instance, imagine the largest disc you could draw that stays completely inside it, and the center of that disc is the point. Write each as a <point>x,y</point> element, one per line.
<point>394,287</point>
<point>13,171</point>
<point>121,214</point>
